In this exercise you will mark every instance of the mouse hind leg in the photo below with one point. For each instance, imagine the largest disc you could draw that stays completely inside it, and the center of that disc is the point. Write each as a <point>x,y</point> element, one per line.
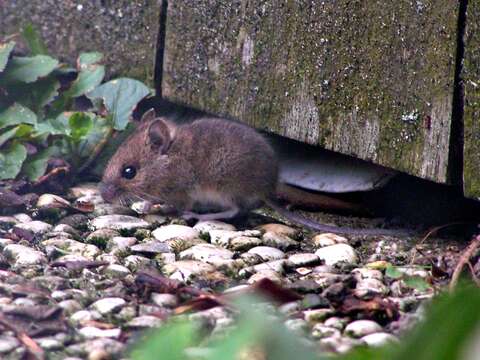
<point>230,213</point>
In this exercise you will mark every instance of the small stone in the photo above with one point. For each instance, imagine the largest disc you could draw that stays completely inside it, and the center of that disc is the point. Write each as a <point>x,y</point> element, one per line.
<point>102,236</point>
<point>77,221</point>
<point>84,189</point>
<point>378,339</point>
<point>8,343</point>
<point>7,222</point>
<point>164,300</point>
<point>108,305</point>
<point>49,343</point>
<point>267,253</point>
<point>22,256</point>
<point>320,331</point>
<point>145,321</point>
<point>136,262</point>
<point>165,258</point>
<point>317,315</point>
<point>74,247</point>
<point>120,243</point>
<point>303,259</point>
<point>279,241</point>
<point>4,243</point>
<point>281,229</point>
<point>208,253</point>
<point>65,228</point>
<point>85,315</point>
<point>23,218</point>
<point>97,349</point>
<point>244,243</point>
<point>360,328</point>
<point>223,237</point>
<point>24,302</point>
<point>298,326</point>
<point>90,332</point>
<point>364,273</point>
<point>70,306</point>
<point>205,227</point>
<point>336,254</point>
<point>172,232</point>
<point>368,287</point>
<point>118,222</point>
<point>338,344</point>
<point>186,269</point>
<point>328,239</point>
<point>275,265</point>
<point>336,322</point>
<point>312,301</point>
<point>35,227</point>
<point>151,247</point>
<point>266,274</point>
<point>155,219</point>
<point>116,271</point>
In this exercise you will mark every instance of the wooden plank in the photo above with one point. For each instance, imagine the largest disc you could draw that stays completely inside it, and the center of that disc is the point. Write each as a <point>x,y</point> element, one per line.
<point>125,31</point>
<point>372,79</point>
<point>471,80</point>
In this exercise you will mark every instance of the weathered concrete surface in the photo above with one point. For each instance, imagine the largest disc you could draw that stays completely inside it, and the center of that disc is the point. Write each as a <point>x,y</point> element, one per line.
<point>471,76</point>
<point>370,79</point>
<point>124,30</point>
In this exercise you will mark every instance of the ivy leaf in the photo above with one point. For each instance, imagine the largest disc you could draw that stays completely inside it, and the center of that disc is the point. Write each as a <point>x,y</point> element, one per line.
<point>33,41</point>
<point>5,50</point>
<point>80,125</point>
<point>28,69</point>
<point>11,161</point>
<point>86,81</point>
<point>35,95</point>
<point>54,126</point>
<point>89,58</point>
<point>36,165</point>
<point>120,97</point>
<point>7,135</point>
<point>17,114</point>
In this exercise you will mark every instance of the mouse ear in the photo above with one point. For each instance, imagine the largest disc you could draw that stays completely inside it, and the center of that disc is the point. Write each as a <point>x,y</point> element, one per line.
<point>159,136</point>
<point>148,115</point>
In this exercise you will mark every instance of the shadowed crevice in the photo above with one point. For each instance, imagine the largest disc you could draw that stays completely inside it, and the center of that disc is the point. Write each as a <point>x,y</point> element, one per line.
<point>158,70</point>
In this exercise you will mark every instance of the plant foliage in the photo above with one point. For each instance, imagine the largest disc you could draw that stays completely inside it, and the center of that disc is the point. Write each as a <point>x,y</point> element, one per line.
<point>38,108</point>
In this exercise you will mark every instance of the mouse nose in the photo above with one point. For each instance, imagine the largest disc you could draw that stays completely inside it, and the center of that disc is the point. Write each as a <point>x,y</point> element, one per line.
<point>108,191</point>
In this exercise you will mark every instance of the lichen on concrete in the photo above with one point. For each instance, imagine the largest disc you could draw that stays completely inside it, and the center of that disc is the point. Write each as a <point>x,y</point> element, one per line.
<point>125,30</point>
<point>471,80</point>
<point>369,79</point>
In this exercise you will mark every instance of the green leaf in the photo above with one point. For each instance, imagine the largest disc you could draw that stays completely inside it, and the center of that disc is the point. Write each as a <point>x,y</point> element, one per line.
<point>17,114</point>
<point>37,94</point>
<point>80,125</point>
<point>86,59</point>
<point>36,165</point>
<point>5,50</point>
<point>11,161</point>
<point>393,272</point>
<point>86,81</point>
<point>54,126</point>
<point>33,41</point>
<point>416,282</point>
<point>120,97</point>
<point>28,69</point>
<point>7,135</point>
<point>169,343</point>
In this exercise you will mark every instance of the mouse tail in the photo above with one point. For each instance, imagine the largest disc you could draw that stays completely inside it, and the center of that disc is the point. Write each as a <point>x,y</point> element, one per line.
<point>313,225</point>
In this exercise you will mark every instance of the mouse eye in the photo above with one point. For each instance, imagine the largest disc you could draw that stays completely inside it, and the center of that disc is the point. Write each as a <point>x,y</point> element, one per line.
<point>129,172</point>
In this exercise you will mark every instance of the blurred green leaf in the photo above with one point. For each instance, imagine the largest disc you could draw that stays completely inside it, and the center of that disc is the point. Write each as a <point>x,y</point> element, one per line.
<point>54,126</point>
<point>36,165</point>
<point>416,282</point>
<point>80,124</point>
<point>393,272</point>
<point>5,50</point>
<point>17,114</point>
<point>169,342</point>
<point>28,69</point>
<point>120,97</point>
<point>37,94</point>
<point>89,58</point>
<point>86,81</point>
<point>33,40</point>
<point>11,160</point>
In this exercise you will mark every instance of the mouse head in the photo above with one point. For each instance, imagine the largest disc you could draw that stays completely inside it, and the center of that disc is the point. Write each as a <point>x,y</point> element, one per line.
<point>127,177</point>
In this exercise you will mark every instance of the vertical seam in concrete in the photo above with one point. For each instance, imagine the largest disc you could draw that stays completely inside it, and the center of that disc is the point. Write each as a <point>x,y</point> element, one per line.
<point>158,69</point>
<point>455,161</point>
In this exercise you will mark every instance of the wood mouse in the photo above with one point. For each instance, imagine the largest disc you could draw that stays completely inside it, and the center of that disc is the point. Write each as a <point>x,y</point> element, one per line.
<point>209,169</point>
